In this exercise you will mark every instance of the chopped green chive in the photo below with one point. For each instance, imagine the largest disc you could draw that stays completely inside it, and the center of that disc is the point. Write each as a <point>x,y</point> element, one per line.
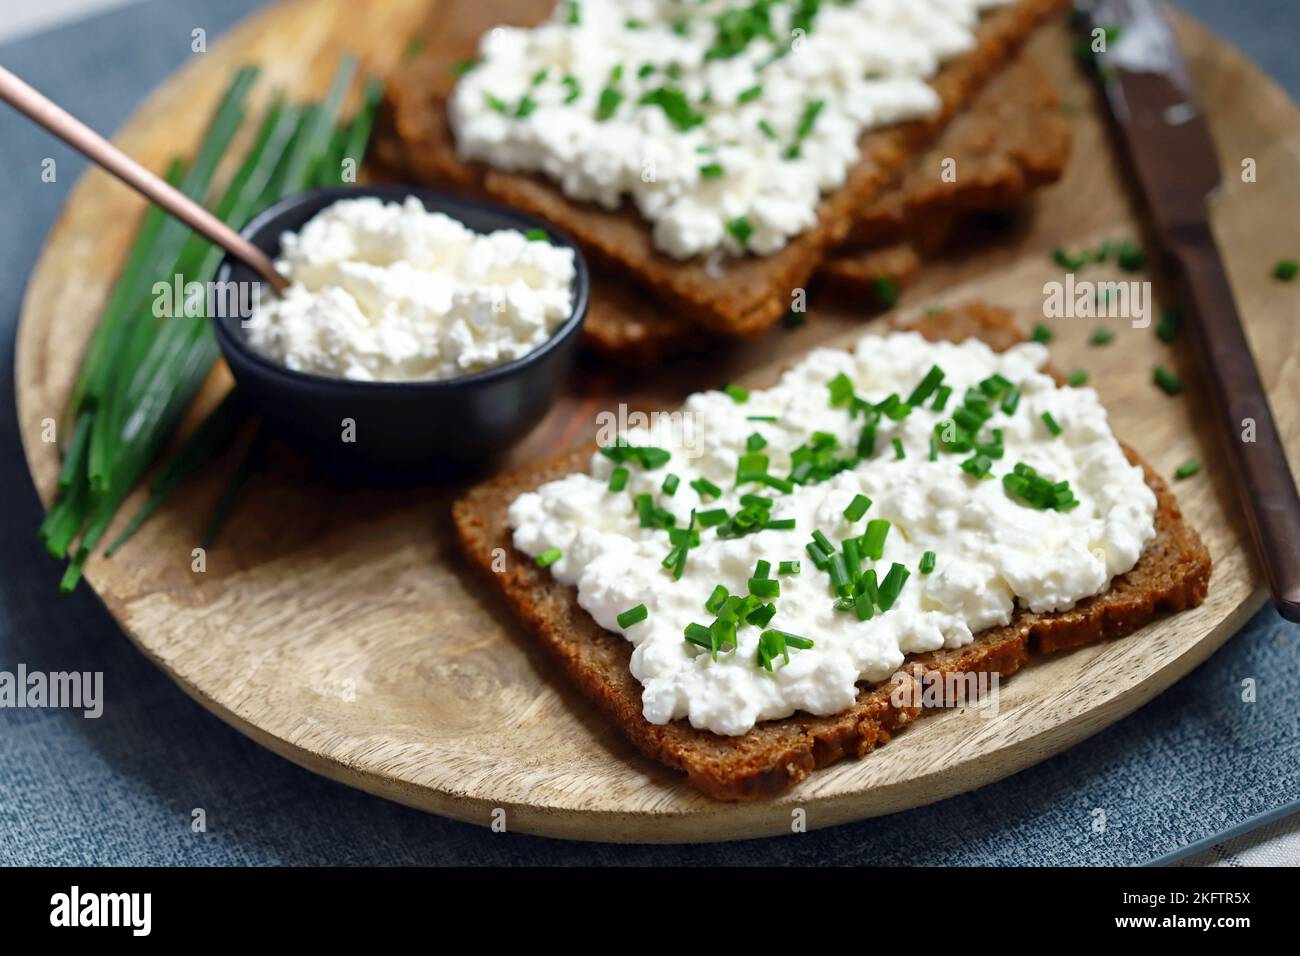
<point>873,542</point>
<point>574,90</point>
<point>1067,261</point>
<point>709,519</point>
<point>926,387</point>
<point>755,442</point>
<point>927,562</point>
<point>857,507</point>
<point>537,235</point>
<point>1077,378</point>
<point>1286,269</point>
<point>1171,321</point>
<point>823,542</point>
<point>770,419</point>
<point>766,129</point>
<point>1025,483</point>
<point>788,567</point>
<point>548,557</point>
<point>1188,468</point>
<point>741,230</point>
<point>1101,336</point>
<point>753,93</point>
<point>898,449</point>
<point>711,171</point>
<point>718,598</point>
<point>978,466</point>
<point>649,457</point>
<point>841,389</point>
<point>670,484</point>
<point>633,615</point>
<point>750,467</point>
<point>706,488</point>
<point>1170,383</point>
<point>1010,401</point>
<point>1050,422</point>
<point>765,587</point>
<point>941,398</point>
<point>763,615</point>
<point>1131,257</point>
<point>839,571</point>
<point>618,479</point>
<point>886,290</point>
<point>763,569</point>
<point>495,103</point>
<point>812,109</point>
<point>738,395</point>
<point>675,105</point>
<point>608,103</point>
<point>934,449</point>
<point>699,635</point>
<point>459,68</point>
<point>892,585</point>
<point>1041,334</point>
<point>772,481</point>
<point>774,644</point>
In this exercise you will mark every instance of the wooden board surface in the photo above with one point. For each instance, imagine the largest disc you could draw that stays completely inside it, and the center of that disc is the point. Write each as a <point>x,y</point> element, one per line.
<point>338,626</point>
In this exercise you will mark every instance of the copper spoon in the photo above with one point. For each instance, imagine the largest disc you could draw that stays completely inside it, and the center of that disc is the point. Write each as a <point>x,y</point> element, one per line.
<point>100,151</point>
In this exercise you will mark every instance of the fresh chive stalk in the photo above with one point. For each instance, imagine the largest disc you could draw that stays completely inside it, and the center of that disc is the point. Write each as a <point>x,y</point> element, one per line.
<point>137,376</point>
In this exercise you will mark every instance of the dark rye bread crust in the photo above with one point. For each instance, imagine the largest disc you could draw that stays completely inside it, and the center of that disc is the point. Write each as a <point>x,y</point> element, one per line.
<point>1010,141</point>
<point>737,296</point>
<point>1172,574</point>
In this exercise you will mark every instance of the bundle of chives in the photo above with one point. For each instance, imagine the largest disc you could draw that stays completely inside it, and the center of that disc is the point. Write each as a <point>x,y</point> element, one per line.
<point>138,376</point>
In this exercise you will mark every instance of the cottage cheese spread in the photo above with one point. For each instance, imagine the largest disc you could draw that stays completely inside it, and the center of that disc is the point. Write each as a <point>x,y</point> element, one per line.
<point>392,292</point>
<point>992,549</point>
<point>723,120</point>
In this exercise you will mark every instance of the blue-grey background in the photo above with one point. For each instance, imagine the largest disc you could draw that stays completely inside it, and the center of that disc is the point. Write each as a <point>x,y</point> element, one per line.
<point>120,790</point>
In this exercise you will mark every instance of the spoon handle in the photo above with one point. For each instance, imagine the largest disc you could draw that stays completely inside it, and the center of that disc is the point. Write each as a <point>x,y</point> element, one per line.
<point>100,151</point>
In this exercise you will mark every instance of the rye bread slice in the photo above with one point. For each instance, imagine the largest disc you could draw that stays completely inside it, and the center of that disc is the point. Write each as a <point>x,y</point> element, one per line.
<point>735,296</point>
<point>1011,141</point>
<point>629,327</point>
<point>1172,574</point>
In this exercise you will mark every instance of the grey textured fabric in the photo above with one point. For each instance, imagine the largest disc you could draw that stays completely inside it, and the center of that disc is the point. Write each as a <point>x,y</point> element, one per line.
<point>122,789</point>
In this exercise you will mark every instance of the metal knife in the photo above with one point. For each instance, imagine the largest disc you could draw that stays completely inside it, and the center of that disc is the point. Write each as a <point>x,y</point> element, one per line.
<point>1153,103</point>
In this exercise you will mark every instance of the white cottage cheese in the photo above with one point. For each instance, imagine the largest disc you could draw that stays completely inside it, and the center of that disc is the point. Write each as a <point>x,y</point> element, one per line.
<point>992,549</point>
<point>392,292</point>
<point>723,120</point>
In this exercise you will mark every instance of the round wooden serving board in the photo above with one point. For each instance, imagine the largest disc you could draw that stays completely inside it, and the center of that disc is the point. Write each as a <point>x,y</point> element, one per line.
<point>339,626</point>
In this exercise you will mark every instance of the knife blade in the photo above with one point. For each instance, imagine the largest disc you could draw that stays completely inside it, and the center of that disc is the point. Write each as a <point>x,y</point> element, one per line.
<point>1168,143</point>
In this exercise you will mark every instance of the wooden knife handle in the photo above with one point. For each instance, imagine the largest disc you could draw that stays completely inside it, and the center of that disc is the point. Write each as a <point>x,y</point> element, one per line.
<point>1264,481</point>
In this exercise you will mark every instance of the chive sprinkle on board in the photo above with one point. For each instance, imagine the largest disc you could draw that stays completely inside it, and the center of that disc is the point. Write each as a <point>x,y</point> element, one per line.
<point>1286,269</point>
<point>1188,468</point>
<point>1169,383</point>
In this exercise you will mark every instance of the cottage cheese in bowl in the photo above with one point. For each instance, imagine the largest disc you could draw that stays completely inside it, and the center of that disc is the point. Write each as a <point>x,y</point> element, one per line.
<point>391,292</point>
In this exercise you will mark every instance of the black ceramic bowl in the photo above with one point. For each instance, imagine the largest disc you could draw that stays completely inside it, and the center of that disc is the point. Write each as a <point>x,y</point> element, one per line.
<point>400,430</point>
